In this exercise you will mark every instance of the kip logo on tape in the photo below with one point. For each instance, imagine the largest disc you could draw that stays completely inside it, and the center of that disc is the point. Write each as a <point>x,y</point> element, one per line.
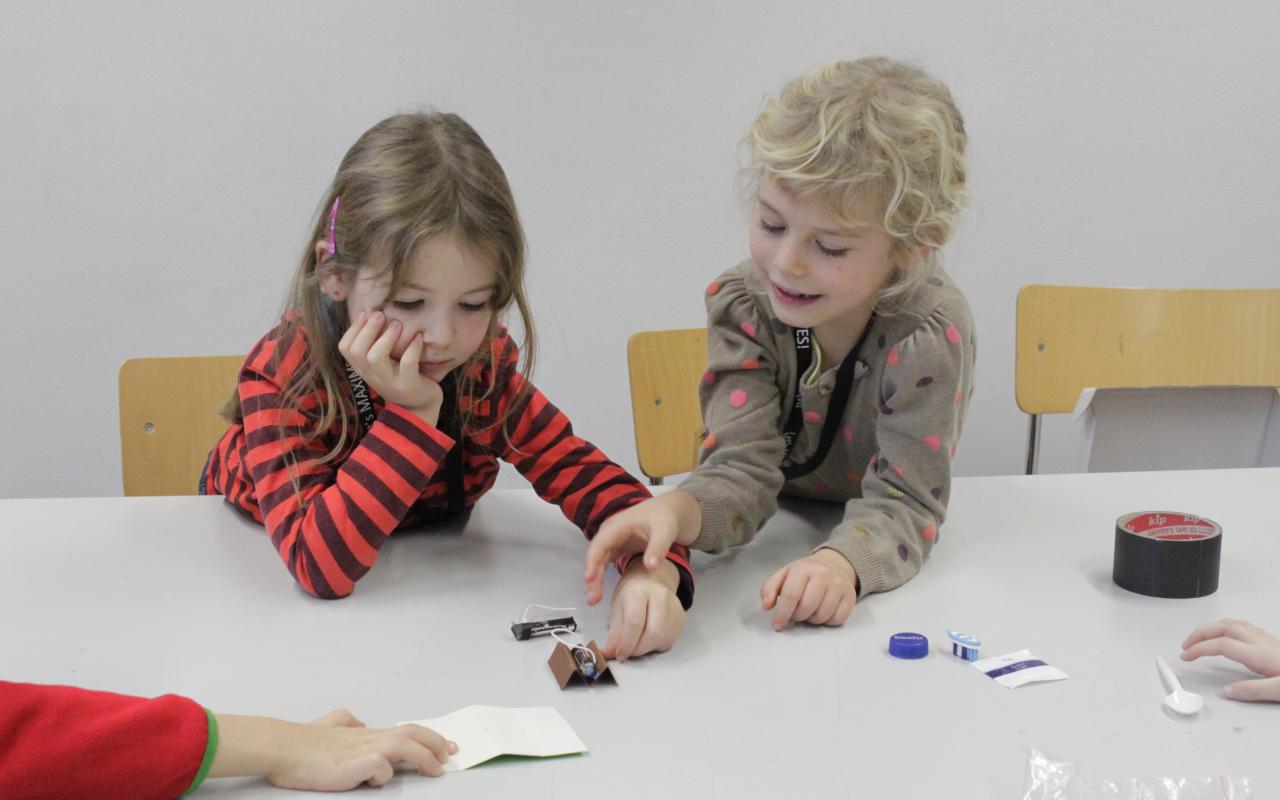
<point>1167,554</point>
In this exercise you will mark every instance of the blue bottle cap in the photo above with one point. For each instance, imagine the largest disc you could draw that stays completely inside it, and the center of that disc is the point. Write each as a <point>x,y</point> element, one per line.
<point>908,645</point>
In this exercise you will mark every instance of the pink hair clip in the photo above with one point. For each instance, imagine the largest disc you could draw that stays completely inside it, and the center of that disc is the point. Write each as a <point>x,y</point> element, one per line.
<point>333,223</point>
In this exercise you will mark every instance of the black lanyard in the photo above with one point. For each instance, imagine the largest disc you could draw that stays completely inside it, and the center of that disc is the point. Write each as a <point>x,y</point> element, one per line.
<point>835,412</point>
<point>448,414</point>
<point>360,394</point>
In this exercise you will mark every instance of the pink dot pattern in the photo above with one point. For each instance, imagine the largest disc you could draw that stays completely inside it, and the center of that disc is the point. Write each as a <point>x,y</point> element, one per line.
<point>895,356</point>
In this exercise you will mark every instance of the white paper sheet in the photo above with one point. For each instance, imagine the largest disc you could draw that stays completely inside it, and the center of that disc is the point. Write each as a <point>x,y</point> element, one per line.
<point>485,732</point>
<point>1018,669</point>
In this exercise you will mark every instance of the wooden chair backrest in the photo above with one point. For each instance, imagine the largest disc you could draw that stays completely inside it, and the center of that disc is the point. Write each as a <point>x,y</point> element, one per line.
<point>1069,338</point>
<point>169,420</point>
<point>665,368</point>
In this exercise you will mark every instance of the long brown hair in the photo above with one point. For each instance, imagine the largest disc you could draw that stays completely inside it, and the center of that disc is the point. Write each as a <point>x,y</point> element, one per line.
<point>408,179</point>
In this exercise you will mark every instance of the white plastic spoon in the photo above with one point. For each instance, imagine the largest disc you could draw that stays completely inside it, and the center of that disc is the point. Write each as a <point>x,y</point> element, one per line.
<point>1179,700</point>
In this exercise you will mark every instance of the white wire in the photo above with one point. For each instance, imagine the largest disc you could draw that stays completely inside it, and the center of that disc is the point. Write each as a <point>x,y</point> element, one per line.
<point>579,645</point>
<point>525,616</point>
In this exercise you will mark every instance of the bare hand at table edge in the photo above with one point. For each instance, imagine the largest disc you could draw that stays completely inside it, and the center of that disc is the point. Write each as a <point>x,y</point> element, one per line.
<point>1246,644</point>
<point>334,753</point>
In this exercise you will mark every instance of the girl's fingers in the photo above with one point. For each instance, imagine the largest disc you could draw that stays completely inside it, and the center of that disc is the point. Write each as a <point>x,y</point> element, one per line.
<point>769,592</point>
<point>632,619</point>
<point>429,739</point>
<point>844,609</point>
<point>367,335</point>
<point>369,768</point>
<point>410,358</point>
<point>1234,628</point>
<point>655,636</point>
<point>403,749</point>
<point>788,596</point>
<point>380,352</point>
<point>1240,652</point>
<point>1267,689</point>
<point>661,537</point>
<point>815,593</point>
<point>349,335</point>
<point>599,553</point>
<point>610,649</point>
<point>828,608</point>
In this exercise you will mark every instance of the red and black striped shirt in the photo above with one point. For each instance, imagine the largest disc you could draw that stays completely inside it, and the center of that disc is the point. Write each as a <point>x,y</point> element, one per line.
<point>328,530</point>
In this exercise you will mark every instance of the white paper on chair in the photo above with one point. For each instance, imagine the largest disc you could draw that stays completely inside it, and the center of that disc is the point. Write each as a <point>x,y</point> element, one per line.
<point>485,732</point>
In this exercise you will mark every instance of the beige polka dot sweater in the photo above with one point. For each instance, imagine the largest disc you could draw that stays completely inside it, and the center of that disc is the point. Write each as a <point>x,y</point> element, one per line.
<point>890,460</point>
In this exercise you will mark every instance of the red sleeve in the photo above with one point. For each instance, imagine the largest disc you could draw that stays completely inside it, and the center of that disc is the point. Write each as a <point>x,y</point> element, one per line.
<point>564,468</point>
<point>64,742</point>
<point>329,530</point>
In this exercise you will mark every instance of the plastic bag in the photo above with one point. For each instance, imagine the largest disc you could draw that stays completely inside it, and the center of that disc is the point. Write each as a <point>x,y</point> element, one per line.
<point>1048,779</point>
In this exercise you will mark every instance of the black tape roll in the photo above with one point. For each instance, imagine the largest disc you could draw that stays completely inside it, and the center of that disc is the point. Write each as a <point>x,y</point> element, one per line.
<point>1167,554</point>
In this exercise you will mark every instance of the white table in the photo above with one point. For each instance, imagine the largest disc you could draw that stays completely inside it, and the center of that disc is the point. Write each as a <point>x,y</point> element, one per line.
<point>151,595</point>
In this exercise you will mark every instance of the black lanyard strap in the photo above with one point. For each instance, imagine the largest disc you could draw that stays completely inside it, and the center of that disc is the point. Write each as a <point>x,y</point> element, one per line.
<point>835,412</point>
<point>804,356</point>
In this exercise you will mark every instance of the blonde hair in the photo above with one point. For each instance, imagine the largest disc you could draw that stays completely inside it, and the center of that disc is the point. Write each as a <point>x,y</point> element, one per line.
<point>408,179</point>
<point>871,136</point>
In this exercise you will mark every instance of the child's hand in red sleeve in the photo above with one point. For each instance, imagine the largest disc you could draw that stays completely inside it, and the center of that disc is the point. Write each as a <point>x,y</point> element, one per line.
<point>368,345</point>
<point>819,589</point>
<point>646,616</point>
<point>650,528</point>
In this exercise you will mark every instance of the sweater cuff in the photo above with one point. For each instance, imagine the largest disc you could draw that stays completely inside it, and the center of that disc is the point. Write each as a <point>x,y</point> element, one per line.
<point>716,534</point>
<point>854,543</point>
<point>210,750</point>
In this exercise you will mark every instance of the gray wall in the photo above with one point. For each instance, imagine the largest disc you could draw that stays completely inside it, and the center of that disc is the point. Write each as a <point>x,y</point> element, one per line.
<point>159,164</point>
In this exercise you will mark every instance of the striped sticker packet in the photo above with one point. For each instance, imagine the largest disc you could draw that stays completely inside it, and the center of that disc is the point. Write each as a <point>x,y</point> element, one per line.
<point>1018,669</point>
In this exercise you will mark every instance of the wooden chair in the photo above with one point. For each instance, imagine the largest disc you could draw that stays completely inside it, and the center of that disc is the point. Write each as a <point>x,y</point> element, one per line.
<point>169,420</point>
<point>665,368</point>
<point>1074,337</point>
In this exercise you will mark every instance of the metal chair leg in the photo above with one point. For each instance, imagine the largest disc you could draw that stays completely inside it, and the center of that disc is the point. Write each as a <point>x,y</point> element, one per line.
<point>1033,444</point>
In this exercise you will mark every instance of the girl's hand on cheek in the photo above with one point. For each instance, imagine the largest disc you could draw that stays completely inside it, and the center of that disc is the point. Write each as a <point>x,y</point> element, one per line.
<point>367,347</point>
